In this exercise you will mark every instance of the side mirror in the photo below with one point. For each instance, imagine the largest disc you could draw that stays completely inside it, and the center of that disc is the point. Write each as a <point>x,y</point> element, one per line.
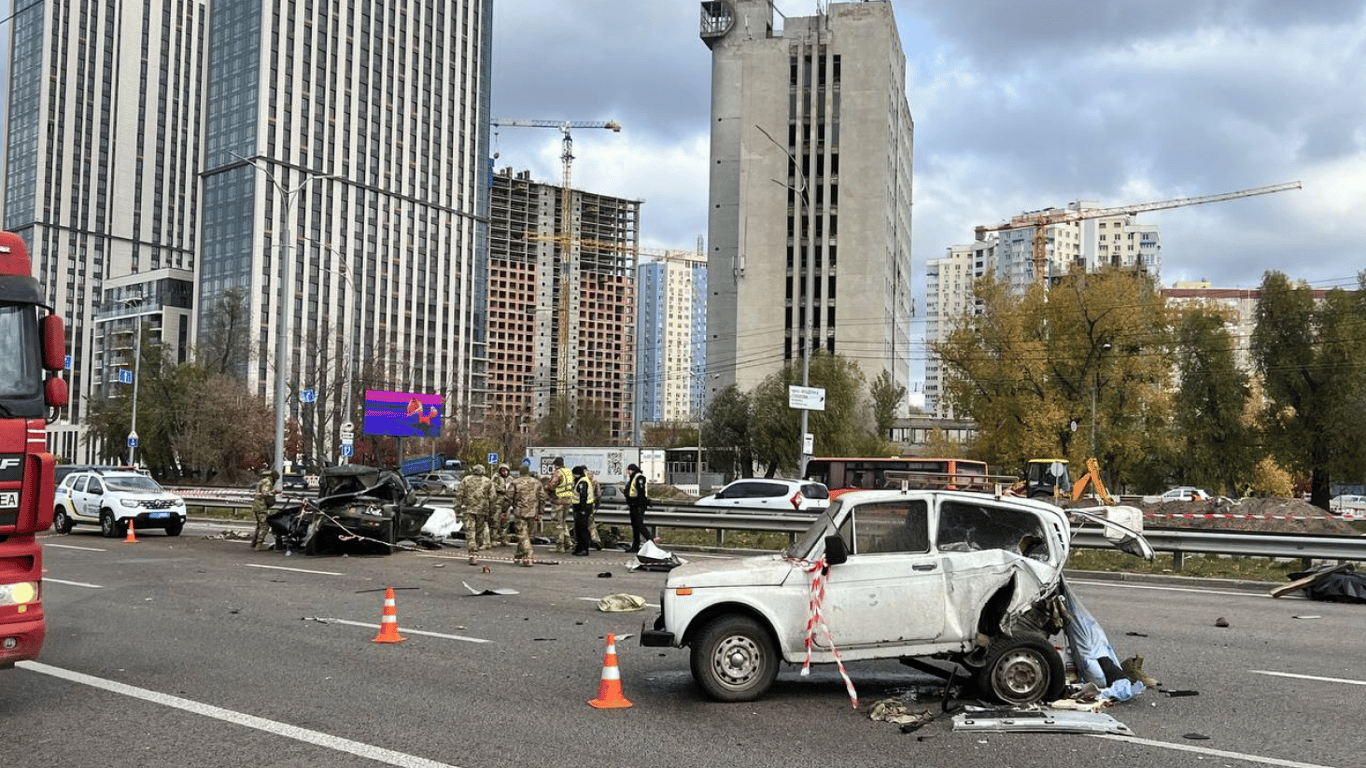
<point>54,342</point>
<point>55,392</point>
<point>835,551</point>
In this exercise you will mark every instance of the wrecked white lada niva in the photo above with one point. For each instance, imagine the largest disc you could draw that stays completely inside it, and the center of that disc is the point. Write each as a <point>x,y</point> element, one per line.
<point>966,578</point>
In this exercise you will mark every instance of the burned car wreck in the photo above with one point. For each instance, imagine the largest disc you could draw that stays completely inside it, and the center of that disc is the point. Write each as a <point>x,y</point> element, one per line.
<point>358,509</point>
<point>927,577</point>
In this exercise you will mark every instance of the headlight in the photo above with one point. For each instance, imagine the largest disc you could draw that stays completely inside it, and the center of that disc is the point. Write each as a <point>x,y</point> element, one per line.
<point>23,593</point>
<point>177,502</point>
<point>130,502</point>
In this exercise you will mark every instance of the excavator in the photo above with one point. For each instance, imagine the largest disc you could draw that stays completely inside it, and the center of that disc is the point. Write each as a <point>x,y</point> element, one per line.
<point>1049,478</point>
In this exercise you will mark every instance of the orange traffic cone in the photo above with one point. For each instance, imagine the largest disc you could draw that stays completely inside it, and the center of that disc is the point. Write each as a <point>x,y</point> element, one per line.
<point>609,689</point>
<point>388,623</point>
<point>130,538</point>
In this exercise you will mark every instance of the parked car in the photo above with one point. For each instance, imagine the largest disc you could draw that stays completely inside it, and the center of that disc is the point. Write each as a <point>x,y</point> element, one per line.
<point>442,481</point>
<point>1348,503</point>
<point>110,498</point>
<point>771,494</point>
<point>1179,493</point>
<point>967,578</point>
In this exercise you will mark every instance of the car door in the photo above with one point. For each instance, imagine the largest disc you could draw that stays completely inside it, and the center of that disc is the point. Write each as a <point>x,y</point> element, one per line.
<point>91,498</point>
<point>891,589</point>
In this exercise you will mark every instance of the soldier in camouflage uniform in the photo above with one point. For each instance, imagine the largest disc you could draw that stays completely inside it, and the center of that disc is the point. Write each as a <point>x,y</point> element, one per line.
<point>472,502</point>
<point>593,516</point>
<point>529,497</point>
<point>260,508</point>
<point>500,506</point>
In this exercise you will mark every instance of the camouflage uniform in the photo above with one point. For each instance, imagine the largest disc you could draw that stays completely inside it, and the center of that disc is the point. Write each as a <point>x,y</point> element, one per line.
<point>529,497</point>
<point>472,501</point>
<point>562,496</point>
<point>593,515</point>
<point>500,505</point>
<point>260,506</point>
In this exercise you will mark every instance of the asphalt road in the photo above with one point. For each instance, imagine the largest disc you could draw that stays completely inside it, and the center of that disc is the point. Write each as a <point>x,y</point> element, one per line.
<point>195,651</point>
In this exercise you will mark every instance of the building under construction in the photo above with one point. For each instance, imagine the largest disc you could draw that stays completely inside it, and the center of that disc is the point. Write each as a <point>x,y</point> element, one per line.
<point>531,250</point>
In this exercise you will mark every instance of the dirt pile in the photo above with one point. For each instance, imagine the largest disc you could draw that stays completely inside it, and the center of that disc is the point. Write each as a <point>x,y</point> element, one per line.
<point>1268,515</point>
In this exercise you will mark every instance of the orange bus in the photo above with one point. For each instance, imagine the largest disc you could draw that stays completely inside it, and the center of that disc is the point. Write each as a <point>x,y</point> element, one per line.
<point>841,474</point>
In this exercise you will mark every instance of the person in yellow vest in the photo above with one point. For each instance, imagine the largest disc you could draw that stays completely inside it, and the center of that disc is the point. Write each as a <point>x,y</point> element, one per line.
<point>637,499</point>
<point>561,497</point>
<point>583,510</point>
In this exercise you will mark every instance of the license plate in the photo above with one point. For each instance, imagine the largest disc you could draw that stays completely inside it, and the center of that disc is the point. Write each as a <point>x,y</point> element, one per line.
<point>158,515</point>
<point>9,499</point>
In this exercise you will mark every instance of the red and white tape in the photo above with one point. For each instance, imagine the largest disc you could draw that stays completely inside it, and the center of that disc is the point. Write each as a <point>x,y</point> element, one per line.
<point>814,620</point>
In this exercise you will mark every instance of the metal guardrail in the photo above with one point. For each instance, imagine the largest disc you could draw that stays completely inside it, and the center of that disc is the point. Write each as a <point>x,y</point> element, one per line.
<point>1177,541</point>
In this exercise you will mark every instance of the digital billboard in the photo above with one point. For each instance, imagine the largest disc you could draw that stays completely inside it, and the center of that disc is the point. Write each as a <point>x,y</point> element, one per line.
<point>401,414</point>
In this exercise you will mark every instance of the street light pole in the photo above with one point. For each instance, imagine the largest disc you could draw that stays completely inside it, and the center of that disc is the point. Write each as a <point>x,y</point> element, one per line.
<point>137,374</point>
<point>809,267</point>
<point>286,309</point>
<point>348,335</point>
<point>1095,384</point>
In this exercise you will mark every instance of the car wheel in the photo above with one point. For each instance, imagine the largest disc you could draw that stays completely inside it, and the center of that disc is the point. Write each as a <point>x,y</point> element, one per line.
<point>174,528</point>
<point>109,528</point>
<point>1021,670</point>
<point>61,522</point>
<point>734,659</point>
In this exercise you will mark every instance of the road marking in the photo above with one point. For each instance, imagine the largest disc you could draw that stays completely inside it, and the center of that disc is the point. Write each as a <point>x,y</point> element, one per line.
<point>1208,751</point>
<point>71,583</point>
<point>1131,585</point>
<point>72,546</point>
<point>1343,680</point>
<point>403,630</point>
<point>317,738</point>
<point>295,570</point>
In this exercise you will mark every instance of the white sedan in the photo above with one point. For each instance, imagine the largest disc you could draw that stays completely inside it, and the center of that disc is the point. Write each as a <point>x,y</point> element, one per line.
<point>1348,504</point>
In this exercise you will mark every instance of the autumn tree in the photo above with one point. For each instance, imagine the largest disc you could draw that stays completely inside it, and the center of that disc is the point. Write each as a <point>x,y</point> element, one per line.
<point>1311,354</point>
<point>1217,448</point>
<point>1076,370</point>
<point>844,428</point>
<point>886,395</point>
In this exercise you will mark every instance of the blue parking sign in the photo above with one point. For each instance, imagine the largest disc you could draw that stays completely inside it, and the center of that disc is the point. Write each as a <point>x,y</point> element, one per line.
<point>493,458</point>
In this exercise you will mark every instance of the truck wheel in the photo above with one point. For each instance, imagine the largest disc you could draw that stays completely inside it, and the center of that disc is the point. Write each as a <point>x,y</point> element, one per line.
<point>734,659</point>
<point>61,522</point>
<point>175,527</point>
<point>108,527</point>
<point>1021,670</point>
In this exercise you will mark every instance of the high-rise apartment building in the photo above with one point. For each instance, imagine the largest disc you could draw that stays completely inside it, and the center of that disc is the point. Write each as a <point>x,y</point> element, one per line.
<point>1091,244</point>
<point>671,292</point>
<point>525,310</point>
<point>810,185</point>
<point>162,155</point>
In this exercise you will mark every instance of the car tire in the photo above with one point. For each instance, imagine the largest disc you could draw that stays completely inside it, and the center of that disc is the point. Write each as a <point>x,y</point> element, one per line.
<point>734,659</point>
<point>61,521</point>
<point>174,528</point>
<point>109,527</point>
<point>1021,670</point>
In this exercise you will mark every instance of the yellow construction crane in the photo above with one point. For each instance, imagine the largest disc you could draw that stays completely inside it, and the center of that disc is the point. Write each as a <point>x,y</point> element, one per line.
<point>1042,220</point>
<point>566,234</point>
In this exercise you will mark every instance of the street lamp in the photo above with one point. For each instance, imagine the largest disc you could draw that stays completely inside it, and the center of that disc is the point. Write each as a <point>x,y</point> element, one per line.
<point>809,266</point>
<point>285,306</point>
<point>137,374</point>
<point>1095,384</point>
<point>348,335</point>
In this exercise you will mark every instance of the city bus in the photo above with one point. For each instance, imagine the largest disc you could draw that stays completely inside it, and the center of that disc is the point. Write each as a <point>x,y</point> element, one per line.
<point>841,474</point>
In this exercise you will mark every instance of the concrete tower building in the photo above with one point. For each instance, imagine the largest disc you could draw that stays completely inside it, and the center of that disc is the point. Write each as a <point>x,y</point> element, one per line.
<point>164,156</point>
<point>803,118</point>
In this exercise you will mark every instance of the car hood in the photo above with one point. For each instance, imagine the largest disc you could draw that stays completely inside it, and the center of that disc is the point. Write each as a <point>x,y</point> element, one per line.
<point>759,571</point>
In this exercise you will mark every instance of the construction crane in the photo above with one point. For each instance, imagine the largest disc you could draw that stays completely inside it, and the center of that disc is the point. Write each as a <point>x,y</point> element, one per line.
<point>566,235</point>
<point>1042,220</point>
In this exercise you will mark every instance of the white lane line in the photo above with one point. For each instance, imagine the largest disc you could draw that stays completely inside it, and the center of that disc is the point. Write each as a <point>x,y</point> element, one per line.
<point>317,738</point>
<point>403,630</point>
<point>295,570</point>
<point>1211,752</point>
<point>1345,681</point>
<point>72,546</point>
<point>47,580</point>
<point>1131,585</point>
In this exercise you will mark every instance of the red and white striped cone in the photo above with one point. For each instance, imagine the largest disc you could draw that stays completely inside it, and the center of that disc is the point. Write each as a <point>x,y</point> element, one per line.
<point>609,687</point>
<point>388,623</point>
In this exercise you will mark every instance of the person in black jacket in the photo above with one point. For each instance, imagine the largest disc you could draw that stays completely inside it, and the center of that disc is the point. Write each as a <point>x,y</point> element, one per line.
<point>584,499</point>
<point>637,499</point>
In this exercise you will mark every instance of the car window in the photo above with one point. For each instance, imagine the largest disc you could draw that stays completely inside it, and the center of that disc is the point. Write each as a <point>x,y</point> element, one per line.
<point>815,491</point>
<point>897,526</point>
<point>94,486</point>
<point>967,527</point>
<point>77,482</point>
<point>137,484</point>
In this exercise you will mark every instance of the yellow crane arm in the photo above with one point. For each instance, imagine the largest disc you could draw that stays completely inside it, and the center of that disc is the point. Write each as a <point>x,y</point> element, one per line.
<point>1092,476</point>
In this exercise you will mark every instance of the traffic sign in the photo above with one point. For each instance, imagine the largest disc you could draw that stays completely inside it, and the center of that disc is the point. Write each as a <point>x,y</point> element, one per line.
<point>493,458</point>
<point>308,396</point>
<point>132,439</point>
<point>806,398</point>
<point>347,450</point>
<point>125,376</point>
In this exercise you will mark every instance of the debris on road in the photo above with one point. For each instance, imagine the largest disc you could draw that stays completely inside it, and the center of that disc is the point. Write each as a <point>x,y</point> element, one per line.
<point>621,603</point>
<point>1036,719</point>
<point>495,591</point>
<point>1340,583</point>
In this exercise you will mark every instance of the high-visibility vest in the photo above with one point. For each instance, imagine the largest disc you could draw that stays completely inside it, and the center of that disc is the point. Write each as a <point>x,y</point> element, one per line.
<point>583,491</point>
<point>635,487</point>
<point>564,484</point>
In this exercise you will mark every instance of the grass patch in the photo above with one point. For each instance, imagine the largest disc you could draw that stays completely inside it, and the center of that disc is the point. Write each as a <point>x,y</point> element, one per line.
<point>1210,566</point>
<point>710,537</point>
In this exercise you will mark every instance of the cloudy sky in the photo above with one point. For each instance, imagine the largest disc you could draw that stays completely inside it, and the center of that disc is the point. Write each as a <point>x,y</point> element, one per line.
<point>1018,106</point>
